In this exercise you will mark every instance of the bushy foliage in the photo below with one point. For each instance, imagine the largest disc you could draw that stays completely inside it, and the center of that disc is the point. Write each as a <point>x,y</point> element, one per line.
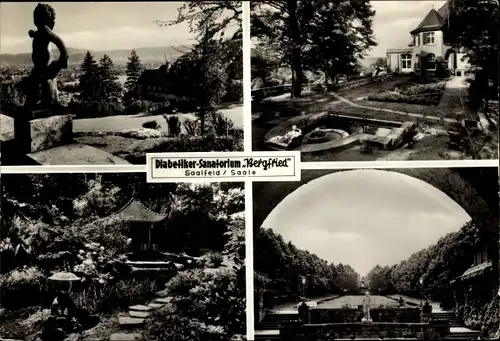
<point>214,259</point>
<point>284,264</point>
<point>23,287</point>
<point>192,127</point>
<point>417,94</point>
<point>208,143</point>
<point>174,125</point>
<point>151,125</point>
<point>107,297</point>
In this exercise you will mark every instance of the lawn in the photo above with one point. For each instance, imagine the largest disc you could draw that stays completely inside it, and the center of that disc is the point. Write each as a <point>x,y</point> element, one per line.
<point>356,300</point>
<point>126,122</point>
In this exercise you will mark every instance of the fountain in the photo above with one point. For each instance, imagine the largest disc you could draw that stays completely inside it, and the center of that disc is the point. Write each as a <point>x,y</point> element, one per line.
<point>287,140</point>
<point>336,132</point>
<point>364,322</point>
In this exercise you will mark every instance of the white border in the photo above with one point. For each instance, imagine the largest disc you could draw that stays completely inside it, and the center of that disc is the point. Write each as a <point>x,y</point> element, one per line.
<point>400,164</point>
<point>249,259</point>
<point>72,169</point>
<point>247,79</point>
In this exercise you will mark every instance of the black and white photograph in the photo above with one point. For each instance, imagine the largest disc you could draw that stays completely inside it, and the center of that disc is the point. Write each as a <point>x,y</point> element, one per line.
<point>109,256</point>
<point>377,254</point>
<point>104,83</point>
<point>376,80</point>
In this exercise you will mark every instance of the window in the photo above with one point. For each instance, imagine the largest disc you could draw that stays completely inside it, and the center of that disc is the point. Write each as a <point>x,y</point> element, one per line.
<point>429,38</point>
<point>406,61</point>
<point>431,61</point>
<point>417,39</point>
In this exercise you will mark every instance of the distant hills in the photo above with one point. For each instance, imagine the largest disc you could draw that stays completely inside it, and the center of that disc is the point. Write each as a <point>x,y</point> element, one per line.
<point>146,54</point>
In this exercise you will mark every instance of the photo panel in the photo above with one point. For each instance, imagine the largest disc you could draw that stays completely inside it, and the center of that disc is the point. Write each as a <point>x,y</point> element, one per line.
<point>108,256</point>
<point>377,254</point>
<point>104,83</point>
<point>376,80</point>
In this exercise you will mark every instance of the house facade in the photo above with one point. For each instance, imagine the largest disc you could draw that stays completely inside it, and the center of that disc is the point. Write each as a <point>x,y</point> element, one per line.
<point>155,84</point>
<point>428,41</point>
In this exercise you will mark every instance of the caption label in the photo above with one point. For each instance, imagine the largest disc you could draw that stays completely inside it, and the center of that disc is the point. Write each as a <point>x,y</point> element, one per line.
<point>223,167</point>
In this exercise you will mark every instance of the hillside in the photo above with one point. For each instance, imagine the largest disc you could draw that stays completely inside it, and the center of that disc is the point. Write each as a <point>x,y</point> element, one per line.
<point>147,54</point>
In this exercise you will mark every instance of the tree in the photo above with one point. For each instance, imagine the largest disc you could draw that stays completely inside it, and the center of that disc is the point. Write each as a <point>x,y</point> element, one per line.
<point>472,26</point>
<point>315,35</point>
<point>109,88</point>
<point>89,79</point>
<point>134,70</point>
<point>200,75</point>
<point>340,35</point>
<point>210,19</point>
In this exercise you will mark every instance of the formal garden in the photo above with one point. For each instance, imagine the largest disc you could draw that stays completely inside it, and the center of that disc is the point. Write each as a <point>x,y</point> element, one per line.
<point>457,275</point>
<point>454,117</point>
<point>90,231</point>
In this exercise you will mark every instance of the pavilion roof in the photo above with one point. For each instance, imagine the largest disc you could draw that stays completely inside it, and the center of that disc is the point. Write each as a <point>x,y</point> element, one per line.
<point>476,270</point>
<point>136,211</point>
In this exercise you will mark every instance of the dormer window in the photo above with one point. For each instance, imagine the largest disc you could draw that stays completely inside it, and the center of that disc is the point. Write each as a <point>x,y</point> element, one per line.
<point>417,39</point>
<point>429,38</point>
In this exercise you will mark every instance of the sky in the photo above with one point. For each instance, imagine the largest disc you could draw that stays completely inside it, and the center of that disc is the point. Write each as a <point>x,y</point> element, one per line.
<point>394,20</point>
<point>96,26</point>
<point>365,217</point>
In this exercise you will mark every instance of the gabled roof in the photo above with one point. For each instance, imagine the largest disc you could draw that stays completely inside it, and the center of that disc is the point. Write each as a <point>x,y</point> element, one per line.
<point>136,211</point>
<point>444,10</point>
<point>157,77</point>
<point>432,21</point>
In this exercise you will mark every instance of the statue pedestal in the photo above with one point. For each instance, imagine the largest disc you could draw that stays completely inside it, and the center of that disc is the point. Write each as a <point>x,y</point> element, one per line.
<point>39,130</point>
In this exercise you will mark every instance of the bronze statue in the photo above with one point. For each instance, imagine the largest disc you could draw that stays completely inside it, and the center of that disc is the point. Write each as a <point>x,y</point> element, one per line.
<point>45,68</point>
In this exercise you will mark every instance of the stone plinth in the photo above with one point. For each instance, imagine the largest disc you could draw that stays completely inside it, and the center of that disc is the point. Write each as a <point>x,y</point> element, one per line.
<point>75,154</point>
<point>388,330</point>
<point>33,135</point>
<point>351,315</point>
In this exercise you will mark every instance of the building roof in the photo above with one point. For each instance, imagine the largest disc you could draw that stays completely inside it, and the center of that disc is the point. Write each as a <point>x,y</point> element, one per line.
<point>136,211</point>
<point>432,21</point>
<point>476,270</point>
<point>156,77</point>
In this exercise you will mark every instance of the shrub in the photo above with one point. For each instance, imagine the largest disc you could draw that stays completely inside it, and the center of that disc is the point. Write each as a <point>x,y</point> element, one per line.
<point>137,107</point>
<point>184,281</point>
<point>141,133</point>
<point>174,125</point>
<point>205,143</point>
<point>112,296</point>
<point>192,127</point>
<point>234,91</point>
<point>214,259</point>
<point>166,326</point>
<point>23,288</point>
<point>151,125</point>
<point>185,104</point>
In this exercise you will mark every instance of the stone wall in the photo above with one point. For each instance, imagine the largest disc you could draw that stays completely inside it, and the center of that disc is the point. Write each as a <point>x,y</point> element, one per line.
<point>422,331</point>
<point>355,315</point>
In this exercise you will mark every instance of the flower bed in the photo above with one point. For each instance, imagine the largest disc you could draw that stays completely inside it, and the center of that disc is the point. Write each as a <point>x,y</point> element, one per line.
<point>427,94</point>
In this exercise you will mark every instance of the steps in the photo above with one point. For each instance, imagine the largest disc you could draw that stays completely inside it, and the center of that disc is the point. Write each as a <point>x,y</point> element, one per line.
<point>448,315</point>
<point>469,335</point>
<point>273,320</point>
<point>132,321</point>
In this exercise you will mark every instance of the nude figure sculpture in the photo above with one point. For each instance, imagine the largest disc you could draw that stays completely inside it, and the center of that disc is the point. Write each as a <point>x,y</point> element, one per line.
<point>45,68</point>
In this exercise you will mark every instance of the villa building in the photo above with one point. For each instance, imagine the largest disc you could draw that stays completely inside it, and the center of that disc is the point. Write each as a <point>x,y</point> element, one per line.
<point>428,41</point>
<point>154,84</point>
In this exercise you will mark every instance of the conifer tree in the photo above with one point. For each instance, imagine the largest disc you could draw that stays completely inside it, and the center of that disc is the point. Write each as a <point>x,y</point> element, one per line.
<point>89,79</point>
<point>109,88</point>
<point>134,69</point>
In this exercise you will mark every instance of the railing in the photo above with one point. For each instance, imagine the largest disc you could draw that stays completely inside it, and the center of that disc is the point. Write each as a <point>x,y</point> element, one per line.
<point>149,247</point>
